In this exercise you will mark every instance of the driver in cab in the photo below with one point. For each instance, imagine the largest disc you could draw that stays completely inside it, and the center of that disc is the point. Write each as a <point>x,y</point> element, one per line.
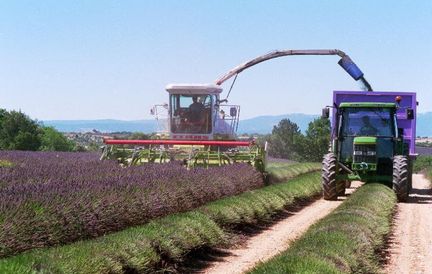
<point>196,111</point>
<point>367,128</point>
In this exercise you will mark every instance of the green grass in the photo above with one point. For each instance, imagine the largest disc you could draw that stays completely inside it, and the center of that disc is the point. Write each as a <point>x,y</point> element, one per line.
<point>280,171</point>
<point>345,241</point>
<point>145,248</point>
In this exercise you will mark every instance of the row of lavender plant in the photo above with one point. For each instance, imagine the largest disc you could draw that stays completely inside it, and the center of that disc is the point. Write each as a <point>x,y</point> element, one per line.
<point>51,198</point>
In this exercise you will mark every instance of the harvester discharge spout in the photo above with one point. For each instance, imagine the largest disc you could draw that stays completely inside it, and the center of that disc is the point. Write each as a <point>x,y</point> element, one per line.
<point>345,62</point>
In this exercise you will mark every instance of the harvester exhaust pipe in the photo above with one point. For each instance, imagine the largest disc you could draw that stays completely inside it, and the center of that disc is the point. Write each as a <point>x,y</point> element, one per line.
<point>346,63</point>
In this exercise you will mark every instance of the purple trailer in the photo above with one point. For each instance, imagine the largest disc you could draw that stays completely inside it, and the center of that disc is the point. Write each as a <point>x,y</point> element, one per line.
<point>407,101</point>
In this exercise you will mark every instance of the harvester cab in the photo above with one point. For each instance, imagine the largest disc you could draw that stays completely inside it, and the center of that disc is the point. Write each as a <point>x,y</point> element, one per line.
<point>373,140</point>
<point>196,113</point>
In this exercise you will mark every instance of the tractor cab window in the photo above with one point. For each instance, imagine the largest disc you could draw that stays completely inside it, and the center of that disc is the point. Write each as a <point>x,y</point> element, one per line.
<point>191,113</point>
<point>367,122</point>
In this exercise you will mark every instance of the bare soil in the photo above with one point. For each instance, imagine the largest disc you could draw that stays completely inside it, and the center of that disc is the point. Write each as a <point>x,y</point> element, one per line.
<point>275,239</point>
<point>410,248</point>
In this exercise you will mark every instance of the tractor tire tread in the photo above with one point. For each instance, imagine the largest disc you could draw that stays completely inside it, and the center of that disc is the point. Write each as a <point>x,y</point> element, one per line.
<point>328,177</point>
<point>401,177</point>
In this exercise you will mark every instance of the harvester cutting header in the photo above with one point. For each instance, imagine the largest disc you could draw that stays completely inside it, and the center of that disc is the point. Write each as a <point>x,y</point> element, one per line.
<point>201,127</point>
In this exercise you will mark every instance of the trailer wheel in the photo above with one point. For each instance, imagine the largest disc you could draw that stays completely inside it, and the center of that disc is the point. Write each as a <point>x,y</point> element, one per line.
<point>401,177</point>
<point>328,177</point>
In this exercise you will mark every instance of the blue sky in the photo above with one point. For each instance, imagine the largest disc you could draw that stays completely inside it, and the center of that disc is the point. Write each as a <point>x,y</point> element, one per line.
<point>112,59</point>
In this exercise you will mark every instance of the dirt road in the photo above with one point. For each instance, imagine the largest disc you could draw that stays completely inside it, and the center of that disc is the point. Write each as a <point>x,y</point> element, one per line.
<point>274,240</point>
<point>411,245</point>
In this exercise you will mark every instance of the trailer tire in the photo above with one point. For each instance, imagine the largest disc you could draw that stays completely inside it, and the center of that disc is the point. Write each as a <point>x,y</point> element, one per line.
<point>401,177</point>
<point>328,177</point>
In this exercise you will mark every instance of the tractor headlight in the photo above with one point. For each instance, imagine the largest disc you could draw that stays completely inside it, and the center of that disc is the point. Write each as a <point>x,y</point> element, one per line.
<point>358,152</point>
<point>371,153</point>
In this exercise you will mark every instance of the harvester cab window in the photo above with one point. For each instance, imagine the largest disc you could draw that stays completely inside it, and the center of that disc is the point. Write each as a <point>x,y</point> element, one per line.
<point>368,122</point>
<point>191,113</point>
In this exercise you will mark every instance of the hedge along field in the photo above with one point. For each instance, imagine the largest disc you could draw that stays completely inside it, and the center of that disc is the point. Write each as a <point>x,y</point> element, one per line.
<point>281,171</point>
<point>144,249</point>
<point>343,242</point>
<point>49,198</point>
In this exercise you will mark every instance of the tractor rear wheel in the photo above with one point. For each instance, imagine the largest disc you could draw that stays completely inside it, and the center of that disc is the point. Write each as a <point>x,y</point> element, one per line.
<point>340,186</point>
<point>347,184</point>
<point>328,177</point>
<point>410,174</point>
<point>401,177</point>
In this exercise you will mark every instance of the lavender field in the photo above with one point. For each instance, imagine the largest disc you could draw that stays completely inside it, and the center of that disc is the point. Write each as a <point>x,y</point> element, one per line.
<point>49,198</point>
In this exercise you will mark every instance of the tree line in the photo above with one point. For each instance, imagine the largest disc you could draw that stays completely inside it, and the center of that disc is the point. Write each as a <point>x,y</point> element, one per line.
<point>19,132</point>
<point>287,141</point>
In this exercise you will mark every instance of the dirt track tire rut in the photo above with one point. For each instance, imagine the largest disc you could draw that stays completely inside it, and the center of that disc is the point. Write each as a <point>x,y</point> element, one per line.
<point>275,239</point>
<point>410,248</point>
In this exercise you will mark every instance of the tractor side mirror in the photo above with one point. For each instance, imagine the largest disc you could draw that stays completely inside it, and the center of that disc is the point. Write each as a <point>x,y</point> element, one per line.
<point>233,112</point>
<point>410,113</point>
<point>350,67</point>
<point>325,113</point>
<point>152,111</point>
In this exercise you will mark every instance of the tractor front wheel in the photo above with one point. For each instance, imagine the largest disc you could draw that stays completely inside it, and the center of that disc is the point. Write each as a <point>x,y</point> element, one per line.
<point>328,176</point>
<point>401,177</point>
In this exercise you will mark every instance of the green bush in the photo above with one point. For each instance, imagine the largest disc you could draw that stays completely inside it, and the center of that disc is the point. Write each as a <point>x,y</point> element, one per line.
<point>52,140</point>
<point>18,131</point>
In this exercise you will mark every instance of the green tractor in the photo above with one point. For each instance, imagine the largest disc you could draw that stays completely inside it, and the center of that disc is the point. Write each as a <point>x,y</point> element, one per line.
<point>373,140</point>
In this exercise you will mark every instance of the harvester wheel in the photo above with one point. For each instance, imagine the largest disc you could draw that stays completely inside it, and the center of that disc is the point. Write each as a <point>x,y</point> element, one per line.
<point>328,177</point>
<point>401,177</point>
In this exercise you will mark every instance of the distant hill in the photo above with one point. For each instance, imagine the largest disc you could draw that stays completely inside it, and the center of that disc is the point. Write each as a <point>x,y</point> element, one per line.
<point>108,125</point>
<point>260,124</point>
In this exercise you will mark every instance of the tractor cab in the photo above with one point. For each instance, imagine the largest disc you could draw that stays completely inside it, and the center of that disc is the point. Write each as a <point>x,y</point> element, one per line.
<point>195,113</point>
<point>368,134</point>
